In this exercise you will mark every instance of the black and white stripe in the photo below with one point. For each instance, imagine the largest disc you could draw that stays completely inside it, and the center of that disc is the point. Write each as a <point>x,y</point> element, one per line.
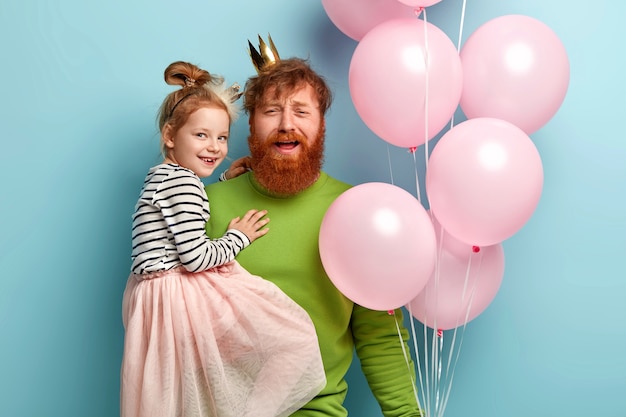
<point>168,225</point>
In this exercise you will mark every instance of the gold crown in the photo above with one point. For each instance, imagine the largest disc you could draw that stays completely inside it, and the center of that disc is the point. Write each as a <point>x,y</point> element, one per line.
<point>266,56</point>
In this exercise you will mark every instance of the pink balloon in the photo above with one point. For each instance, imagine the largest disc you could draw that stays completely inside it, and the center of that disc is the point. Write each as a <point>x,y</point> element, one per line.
<point>484,180</point>
<point>419,3</point>
<point>377,245</point>
<point>357,17</point>
<point>462,285</point>
<point>405,80</point>
<point>515,68</point>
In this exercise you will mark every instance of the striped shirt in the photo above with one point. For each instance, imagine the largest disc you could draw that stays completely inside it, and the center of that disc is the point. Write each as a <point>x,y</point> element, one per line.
<point>168,225</point>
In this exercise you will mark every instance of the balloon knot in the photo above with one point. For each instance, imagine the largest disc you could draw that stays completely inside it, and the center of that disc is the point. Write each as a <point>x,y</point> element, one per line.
<point>390,312</point>
<point>475,249</point>
<point>418,11</point>
<point>412,149</point>
<point>439,332</point>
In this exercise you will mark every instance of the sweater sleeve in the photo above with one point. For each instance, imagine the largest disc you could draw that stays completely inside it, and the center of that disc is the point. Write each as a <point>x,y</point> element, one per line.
<point>185,207</point>
<point>389,373</point>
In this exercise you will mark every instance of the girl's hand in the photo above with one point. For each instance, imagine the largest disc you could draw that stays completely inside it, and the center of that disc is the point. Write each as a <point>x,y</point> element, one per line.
<point>238,167</point>
<point>252,224</point>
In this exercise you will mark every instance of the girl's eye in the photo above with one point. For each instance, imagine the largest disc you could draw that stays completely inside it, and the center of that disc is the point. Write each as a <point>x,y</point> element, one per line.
<point>223,138</point>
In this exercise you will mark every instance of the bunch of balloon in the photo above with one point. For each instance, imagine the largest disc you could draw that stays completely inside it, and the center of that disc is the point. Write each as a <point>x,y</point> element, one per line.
<point>484,177</point>
<point>484,181</point>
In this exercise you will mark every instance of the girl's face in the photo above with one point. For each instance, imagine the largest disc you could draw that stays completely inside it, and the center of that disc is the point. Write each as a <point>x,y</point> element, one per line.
<point>201,144</point>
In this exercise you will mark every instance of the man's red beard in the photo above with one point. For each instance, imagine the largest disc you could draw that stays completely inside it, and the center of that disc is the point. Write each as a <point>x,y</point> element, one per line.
<point>286,174</point>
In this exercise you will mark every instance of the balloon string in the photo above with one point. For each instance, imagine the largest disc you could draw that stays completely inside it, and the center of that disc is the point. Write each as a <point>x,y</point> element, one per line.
<point>462,301</point>
<point>427,368</point>
<point>436,353</point>
<point>456,360</point>
<point>429,374</point>
<point>418,11</point>
<point>390,167</point>
<point>452,366</point>
<point>458,44</point>
<point>473,292</point>
<point>426,90</point>
<point>434,360</point>
<point>440,341</point>
<point>406,359</point>
<point>417,179</point>
<point>465,284</point>
<point>417,356</point>
<point>439,407</point>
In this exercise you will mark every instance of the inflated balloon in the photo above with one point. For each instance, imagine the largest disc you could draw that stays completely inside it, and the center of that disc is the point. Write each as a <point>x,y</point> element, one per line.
<point>461,287</point>
<point>405,81</point>
<point>419,3</point>
<point>515,68</point>
<point>484,180</point>
<point>377,245</point>
<point>357,17</point>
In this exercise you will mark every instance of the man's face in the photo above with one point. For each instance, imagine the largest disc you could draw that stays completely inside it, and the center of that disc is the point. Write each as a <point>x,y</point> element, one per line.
<point>287,141</point>
<point>277,118</point>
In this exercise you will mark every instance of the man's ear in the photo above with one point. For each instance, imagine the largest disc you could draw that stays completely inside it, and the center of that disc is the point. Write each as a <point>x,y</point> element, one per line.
<point>167,136</point>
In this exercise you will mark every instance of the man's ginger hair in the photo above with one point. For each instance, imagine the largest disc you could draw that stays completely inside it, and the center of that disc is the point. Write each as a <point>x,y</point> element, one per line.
<point>284,77</point>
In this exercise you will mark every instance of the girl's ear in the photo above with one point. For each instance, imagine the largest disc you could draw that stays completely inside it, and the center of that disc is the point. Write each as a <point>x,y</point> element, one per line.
<point>167,136</point>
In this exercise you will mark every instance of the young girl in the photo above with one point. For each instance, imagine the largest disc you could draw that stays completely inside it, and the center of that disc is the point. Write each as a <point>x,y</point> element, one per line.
<point>203,336</point>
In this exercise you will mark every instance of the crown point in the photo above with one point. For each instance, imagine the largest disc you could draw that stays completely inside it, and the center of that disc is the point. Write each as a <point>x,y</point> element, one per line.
<point>265,56</point>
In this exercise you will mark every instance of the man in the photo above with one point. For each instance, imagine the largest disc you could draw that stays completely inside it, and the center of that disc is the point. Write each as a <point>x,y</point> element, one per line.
<point>286,104</point>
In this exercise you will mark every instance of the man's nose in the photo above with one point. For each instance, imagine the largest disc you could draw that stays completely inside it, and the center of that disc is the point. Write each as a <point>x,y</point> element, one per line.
<point>287,122</point>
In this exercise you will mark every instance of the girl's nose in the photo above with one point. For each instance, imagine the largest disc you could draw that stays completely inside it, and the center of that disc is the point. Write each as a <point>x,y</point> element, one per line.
<point>212,145</point>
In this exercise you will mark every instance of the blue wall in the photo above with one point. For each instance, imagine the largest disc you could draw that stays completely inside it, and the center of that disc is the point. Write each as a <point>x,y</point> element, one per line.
<point>80,86</point>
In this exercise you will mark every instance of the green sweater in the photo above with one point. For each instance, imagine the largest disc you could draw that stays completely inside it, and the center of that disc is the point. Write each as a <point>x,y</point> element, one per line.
<point>289,256</point>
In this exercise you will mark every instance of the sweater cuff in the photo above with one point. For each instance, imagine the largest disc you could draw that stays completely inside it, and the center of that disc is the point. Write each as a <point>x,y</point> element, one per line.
<point>241,235</point>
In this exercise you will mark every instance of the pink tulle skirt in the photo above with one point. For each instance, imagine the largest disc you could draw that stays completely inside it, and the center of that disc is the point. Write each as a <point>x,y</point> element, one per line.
<point>217,343</point>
